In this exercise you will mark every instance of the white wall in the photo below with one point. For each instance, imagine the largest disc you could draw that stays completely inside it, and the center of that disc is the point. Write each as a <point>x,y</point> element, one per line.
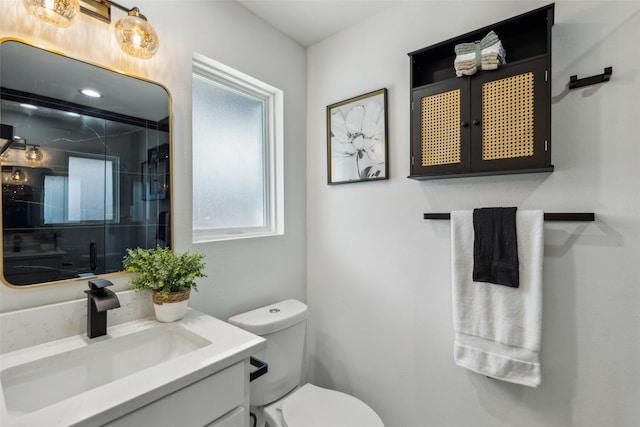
<point>379,275</point>
<point>242,274</point>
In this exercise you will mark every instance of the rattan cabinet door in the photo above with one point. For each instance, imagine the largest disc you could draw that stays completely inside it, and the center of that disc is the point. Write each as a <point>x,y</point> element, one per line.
<point>440,128</point>
<point>509,119</point>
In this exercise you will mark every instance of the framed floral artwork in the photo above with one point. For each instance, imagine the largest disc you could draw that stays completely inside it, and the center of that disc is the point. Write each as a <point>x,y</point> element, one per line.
<point>357,139</point>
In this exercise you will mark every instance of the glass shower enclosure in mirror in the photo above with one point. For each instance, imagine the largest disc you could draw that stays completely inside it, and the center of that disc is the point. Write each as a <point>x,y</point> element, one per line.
<point>86,174</point>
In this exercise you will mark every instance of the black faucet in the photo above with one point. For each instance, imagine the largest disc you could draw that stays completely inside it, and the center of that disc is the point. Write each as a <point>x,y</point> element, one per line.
<point>99,301</point>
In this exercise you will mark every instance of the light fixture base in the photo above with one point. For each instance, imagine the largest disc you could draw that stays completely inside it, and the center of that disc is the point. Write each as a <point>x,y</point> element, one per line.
<point>96,9</point>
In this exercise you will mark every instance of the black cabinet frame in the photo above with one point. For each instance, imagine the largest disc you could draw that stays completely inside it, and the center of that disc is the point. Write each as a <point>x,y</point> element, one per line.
<point>527,41</point>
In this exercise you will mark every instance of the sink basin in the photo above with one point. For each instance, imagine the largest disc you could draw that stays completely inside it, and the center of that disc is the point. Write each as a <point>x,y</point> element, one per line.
<point>34,385</point>
<point>89,382</point>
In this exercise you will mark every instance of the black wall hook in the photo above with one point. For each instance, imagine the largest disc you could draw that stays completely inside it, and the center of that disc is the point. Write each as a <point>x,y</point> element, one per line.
<point>575,83</point>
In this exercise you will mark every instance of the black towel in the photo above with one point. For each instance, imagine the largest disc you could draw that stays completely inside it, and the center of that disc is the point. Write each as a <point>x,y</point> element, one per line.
<point>495,246</point>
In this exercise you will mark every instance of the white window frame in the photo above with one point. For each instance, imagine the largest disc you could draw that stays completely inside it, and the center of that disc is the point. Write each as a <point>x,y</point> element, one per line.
<point>273,178</point>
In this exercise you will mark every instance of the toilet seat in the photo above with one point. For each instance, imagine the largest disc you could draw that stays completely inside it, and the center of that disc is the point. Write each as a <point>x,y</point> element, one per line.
<point>313,406</point>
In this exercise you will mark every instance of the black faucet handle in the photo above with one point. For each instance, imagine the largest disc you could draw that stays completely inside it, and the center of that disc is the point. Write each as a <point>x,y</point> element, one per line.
<point>97,284</point>
<point>99,301</point>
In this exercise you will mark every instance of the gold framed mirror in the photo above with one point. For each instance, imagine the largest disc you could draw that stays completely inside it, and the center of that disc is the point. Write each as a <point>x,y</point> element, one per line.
<point>83,178</point>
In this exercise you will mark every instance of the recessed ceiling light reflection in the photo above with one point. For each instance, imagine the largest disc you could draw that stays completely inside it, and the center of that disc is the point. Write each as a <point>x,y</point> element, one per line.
<point>72,114</point>
<point>29,106</point>
<point>91,93</point>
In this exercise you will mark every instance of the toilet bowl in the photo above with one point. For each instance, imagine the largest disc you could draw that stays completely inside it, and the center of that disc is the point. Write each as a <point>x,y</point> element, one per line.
<point>276,397</point>
<point>313,406</point>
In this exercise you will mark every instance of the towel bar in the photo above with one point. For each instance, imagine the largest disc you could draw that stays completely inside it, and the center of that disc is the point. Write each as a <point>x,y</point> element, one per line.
<point>575,82</point>
<point>565,216</point>
<point>262,368</point>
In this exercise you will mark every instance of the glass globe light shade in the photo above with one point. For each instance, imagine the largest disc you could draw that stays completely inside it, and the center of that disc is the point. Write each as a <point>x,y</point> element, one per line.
<point>33,154</point>
<point>18,176</point>
<point>136,36</point>
<point>60,13</point>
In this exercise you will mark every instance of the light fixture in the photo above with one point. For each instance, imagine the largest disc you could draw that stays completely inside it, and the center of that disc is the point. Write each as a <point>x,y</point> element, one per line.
<point>28,106</point>
<point>33,154</point>
<point>134,34</point>
<point>18,176</point>
<point>60,13</point>
<point>91,93</point>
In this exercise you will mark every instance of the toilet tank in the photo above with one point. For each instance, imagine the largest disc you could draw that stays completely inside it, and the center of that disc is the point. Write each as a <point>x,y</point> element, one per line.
<point>283,326</point>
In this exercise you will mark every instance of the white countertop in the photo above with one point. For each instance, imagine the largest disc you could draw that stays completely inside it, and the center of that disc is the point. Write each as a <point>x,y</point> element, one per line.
<point>229,345</point>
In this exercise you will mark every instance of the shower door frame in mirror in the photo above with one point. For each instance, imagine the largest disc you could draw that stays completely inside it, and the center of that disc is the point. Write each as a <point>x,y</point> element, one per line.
<point>72,213</point>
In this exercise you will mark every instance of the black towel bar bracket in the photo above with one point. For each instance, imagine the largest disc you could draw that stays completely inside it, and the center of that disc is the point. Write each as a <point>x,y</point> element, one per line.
<point>548,216</point>
<point>575,83</point>
<point>262,368</point>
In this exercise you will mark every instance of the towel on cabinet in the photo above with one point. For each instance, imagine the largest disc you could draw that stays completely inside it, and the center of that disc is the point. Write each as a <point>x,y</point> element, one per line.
<point>485,54</point>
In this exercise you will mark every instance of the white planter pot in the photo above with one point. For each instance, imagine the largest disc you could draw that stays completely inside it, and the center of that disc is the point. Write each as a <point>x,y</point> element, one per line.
<point>171,307</point>
<point>170,312</point>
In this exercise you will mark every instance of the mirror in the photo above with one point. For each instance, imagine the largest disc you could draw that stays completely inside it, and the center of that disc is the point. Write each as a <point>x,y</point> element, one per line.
<point>83,178</point>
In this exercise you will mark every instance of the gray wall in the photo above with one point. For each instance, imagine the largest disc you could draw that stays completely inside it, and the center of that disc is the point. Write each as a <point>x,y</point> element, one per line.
<point>242,274</point>
<point>379,275</point>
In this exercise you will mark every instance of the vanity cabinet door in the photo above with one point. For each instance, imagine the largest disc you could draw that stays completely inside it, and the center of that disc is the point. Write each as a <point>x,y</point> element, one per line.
<point>199,404</point>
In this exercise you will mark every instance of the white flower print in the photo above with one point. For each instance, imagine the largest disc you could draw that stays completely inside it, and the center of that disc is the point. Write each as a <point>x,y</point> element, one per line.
<point>357,141</point>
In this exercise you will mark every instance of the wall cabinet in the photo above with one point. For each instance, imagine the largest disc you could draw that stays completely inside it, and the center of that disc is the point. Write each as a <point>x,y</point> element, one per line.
<point>493,122</point>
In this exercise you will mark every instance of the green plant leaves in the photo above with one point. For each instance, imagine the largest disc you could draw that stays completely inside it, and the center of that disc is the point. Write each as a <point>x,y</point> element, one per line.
<point>162,270</point>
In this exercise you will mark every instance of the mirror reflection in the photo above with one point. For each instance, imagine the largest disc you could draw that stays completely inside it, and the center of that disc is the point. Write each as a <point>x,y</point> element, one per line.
<point>84,176</point>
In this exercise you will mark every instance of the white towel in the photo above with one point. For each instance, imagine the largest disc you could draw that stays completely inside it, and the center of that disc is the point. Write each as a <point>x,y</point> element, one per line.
<point>498,328</point>
<point>495,48</point>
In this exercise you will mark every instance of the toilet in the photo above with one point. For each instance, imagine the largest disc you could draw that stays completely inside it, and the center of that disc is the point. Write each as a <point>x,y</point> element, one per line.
<point>277,397</point>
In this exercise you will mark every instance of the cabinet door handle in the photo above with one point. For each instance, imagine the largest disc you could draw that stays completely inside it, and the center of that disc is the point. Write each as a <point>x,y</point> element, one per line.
<point>464,124</point>
<point>476,122</point>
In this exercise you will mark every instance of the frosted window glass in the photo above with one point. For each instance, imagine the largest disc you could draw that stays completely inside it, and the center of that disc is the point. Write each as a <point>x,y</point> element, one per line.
<point>229,158</point>
<point>238,145</point>
<point>88,191</point>
<point>54,192</point>
<point>90,196</point>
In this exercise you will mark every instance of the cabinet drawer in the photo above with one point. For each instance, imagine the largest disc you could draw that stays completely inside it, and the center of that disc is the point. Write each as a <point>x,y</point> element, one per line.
<point>235,418</point>
<point>195,405</point>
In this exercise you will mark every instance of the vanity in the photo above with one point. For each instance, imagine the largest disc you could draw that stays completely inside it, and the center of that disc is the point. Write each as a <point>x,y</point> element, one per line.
<point>194,372</point>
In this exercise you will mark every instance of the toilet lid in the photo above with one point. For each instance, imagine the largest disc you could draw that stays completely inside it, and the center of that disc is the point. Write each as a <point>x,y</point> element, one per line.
<point>312,406</point>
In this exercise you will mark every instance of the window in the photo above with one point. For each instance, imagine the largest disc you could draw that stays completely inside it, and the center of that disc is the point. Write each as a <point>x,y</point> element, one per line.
<point>237,154</point>
<point>87,191</point>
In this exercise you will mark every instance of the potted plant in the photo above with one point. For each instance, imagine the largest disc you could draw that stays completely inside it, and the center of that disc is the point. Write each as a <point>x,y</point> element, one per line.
<point>168,275</point>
